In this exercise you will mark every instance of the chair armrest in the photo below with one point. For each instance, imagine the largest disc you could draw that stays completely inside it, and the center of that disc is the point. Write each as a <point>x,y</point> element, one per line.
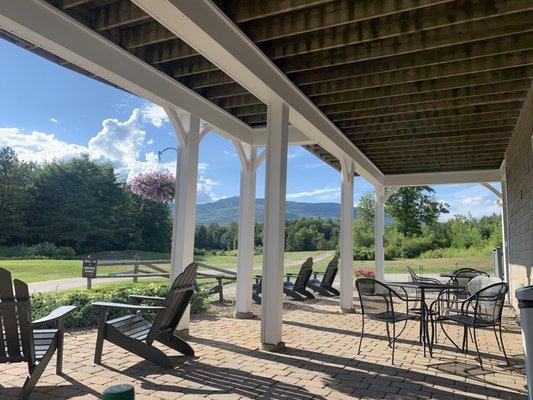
<point>104,306</point>
<point>140,298</point>
<point>57,314</point>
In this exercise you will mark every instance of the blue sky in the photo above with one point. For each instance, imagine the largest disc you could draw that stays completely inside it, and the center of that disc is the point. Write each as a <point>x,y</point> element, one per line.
<point>48,112</point>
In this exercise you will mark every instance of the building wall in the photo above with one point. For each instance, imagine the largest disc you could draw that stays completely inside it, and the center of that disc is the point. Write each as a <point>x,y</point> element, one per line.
<point>519,178</point>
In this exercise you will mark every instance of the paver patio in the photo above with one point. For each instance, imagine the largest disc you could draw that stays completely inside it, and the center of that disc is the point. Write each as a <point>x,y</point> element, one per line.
<point>320,362</point>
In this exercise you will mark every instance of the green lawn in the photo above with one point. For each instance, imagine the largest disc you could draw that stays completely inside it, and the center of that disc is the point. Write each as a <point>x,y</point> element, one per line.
<point>42,270</point>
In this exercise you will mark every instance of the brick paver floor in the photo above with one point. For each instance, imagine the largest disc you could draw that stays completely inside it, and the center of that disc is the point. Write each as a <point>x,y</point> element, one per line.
<point>320,362</point>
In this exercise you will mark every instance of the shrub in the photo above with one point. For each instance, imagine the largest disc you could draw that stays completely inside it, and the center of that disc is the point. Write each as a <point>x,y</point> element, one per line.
<point>413,247</point>
<point>452,252</point>
<point>363,253</point>
<point>86,316</point>
<point>43,250</point>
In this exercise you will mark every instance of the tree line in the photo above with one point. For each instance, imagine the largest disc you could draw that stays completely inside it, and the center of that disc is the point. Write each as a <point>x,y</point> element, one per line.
<point>77,203</point>
<point>83,205</point>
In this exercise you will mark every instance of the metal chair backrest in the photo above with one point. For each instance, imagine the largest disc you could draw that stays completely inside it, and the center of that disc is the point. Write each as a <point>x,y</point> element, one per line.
<point>412,273</point>
<point>331,272</point>
<point>375,298</point>
<point>488,303</point>
<point>465,275</point>
<point>16,339</point>
<point>176,302</point>
<point>304,275</point>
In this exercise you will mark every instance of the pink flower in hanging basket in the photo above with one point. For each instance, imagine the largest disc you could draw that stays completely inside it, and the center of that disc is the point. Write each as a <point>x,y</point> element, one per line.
<point>154,186</point>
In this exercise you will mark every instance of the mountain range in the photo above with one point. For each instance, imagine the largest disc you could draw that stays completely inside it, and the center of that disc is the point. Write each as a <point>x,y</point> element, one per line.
<point>226,211</point>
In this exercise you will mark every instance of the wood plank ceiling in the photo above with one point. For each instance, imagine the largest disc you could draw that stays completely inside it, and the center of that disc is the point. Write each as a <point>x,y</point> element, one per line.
<point>417,85</point>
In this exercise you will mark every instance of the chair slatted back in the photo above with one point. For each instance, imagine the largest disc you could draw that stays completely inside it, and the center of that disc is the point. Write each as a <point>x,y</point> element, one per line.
<point>304,275</point>
<point>331,272</point>
<point>176,302</point>
<point>465,275</point>
<point>16,339</point>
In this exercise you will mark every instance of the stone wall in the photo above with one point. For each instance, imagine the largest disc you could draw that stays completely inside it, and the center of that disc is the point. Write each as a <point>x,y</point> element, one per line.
<point>519,178</point>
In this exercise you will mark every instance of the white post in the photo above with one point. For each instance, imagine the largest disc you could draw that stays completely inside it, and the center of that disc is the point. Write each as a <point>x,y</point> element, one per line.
<point>187,129</point>
<point>379,230</point>
<point>245,255</point>
<point>505,232</point>
<point>346,239</point>
<point>274,225</point>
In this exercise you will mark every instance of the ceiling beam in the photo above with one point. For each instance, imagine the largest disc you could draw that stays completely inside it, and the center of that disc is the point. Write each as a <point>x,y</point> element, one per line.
<point>455,137</point>
<point>435,116</point>
<point>59,34</point>
<point>295,137</point>
<point>370,87</point>
<point>420,41</point>
<point>440,178</point>
<point>207,29</point>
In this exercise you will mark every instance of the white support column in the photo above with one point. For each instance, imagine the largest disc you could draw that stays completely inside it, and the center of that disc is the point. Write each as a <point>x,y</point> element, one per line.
<point>505,232</point>
<point>346,239</point>
<point>245,255</point>
<point>379,230</point>
<point>188,132</point>
<point>274,225</point>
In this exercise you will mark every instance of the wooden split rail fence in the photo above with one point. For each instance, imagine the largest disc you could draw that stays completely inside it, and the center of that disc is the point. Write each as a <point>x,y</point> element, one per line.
<point>153,269</point>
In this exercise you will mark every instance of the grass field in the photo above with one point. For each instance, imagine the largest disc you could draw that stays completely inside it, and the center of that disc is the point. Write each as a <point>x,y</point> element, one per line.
<point>45,270</point>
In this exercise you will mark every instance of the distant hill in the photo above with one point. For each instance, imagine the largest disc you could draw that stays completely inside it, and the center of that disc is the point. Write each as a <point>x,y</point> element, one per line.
<point>226,211</point>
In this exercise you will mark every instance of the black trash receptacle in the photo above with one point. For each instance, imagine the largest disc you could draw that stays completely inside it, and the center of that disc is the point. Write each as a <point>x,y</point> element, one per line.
<point>524,296</point>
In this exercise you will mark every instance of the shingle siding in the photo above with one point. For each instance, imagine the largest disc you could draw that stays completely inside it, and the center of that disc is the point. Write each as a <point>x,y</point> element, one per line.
<point>519,178</point>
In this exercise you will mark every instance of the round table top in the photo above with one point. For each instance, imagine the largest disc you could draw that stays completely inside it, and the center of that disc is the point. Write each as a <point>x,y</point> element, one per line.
<point>425,285</point>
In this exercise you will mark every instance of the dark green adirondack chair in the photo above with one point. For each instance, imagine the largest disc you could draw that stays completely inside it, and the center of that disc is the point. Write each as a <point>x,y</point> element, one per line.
<point>325,285</point>
<point>137,335</point>
<point>298,289</point>
<point>19,341</point>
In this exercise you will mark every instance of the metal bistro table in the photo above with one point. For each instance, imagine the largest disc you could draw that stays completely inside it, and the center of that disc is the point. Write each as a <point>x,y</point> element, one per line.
<point>422,287</point>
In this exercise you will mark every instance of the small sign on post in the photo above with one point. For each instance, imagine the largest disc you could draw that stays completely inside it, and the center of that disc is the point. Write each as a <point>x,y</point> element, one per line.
<point>88,269</point>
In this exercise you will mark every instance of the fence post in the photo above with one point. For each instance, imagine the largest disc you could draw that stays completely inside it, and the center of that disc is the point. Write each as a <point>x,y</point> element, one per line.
<point>136,269</point>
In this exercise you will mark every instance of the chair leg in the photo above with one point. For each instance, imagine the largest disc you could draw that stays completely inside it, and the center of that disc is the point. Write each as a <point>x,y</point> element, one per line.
<point>33,378</point>
<point>496,336</point>
<point>388,332</point>
<point>100,338</point>
<point>450,339</point>
<point>362,333</point>
<point>393,340</point>
<point>59,357</point>
<point>177,344</point>
<point>477,350</point>
<point>503,346</point>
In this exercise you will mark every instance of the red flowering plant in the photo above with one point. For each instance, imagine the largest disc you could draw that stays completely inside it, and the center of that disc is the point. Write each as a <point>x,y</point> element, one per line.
<point>364,273</point>
<point>155,186</point>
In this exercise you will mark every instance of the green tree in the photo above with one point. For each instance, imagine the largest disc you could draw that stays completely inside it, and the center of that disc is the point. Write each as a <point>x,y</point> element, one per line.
<point>413,207</point>
<point>15,184</point>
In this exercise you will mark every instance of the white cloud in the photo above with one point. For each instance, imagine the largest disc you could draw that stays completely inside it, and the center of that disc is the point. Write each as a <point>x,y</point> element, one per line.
<point>38,146</point>
<point>229,153</point>
<point>151,141</point>
<point>119,142</point>
<point>319,194</point>
<point>154,114</point>
<point>294,153</point>
<point>54,120</point>
<point>474,200</point>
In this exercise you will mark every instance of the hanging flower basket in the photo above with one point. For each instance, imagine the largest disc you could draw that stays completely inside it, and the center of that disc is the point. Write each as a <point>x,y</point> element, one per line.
<point>154,186</point>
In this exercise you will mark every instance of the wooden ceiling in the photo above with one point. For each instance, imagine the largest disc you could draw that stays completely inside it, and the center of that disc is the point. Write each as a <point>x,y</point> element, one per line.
<point>417,85</point>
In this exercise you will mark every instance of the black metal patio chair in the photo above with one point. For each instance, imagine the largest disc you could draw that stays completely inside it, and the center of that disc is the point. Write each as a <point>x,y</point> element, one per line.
<point>19,341</point>
<point>481,310</point>
<point>377,303</point>
<point>135,334</point>
<point>324,286</point>
<point>298,289</point>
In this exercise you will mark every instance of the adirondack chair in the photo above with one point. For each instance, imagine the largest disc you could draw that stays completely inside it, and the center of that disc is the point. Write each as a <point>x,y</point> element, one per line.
<point>19,340</point>
<point>325,286</point>
<point>298,289</point>
<point>137,335</point>
<point>256,289</point>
